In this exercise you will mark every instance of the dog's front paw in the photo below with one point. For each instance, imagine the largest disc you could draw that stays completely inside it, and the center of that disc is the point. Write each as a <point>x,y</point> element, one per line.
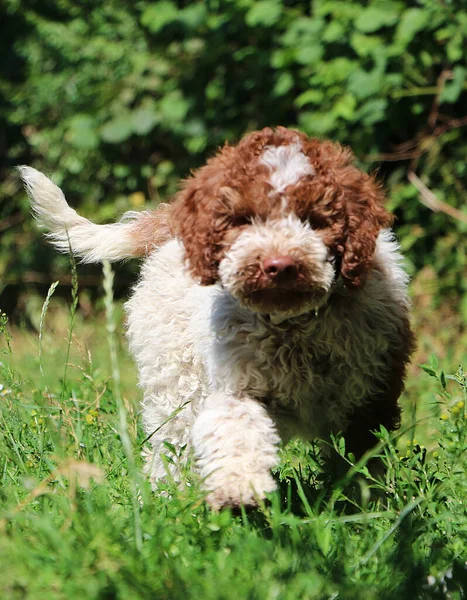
<point>234,490</point>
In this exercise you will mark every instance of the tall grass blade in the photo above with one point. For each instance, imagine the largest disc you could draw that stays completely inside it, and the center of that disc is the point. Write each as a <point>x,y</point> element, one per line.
<point>73,307</point>
<point>45,307</point>
<point>402,515</point>
<point>123,424</point>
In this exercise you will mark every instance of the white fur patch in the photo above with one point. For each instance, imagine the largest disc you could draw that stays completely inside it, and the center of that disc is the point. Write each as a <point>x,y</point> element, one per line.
<point>88,241</point>
<point>287,165</point>
<point>389,258</point>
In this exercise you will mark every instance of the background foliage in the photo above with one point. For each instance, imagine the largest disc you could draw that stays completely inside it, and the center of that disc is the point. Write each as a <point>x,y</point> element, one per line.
<point>119,100</point>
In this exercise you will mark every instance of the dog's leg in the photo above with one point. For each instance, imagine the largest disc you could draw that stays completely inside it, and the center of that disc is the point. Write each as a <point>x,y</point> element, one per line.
<point>168,428</point>
<point>235,442</point>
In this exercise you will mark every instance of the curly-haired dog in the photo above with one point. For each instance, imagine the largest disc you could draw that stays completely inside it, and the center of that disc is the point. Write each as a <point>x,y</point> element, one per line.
<point>272,303</point>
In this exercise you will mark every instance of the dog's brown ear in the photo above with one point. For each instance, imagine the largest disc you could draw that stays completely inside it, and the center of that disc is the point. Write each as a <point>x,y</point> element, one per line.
<point>199,223</point>
<point>365,217</point>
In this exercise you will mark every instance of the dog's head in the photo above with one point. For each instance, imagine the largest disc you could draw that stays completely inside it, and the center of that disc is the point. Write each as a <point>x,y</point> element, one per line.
<point>278,218</point>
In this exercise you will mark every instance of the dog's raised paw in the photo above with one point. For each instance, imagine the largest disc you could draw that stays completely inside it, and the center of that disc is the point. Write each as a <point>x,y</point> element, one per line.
<point>240,491</point>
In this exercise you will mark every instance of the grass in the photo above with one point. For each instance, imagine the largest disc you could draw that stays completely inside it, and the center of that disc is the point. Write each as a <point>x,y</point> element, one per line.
<point>78,520</point>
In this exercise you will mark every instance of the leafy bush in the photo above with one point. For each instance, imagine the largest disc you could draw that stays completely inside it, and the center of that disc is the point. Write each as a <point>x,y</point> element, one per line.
<point>119,100</point>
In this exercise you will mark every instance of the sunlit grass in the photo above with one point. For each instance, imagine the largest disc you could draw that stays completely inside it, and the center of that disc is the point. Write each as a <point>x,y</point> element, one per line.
<point>78,519</point>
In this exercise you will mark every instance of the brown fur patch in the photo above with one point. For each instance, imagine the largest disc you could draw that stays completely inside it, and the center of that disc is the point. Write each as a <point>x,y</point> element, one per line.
<point>152,229</point>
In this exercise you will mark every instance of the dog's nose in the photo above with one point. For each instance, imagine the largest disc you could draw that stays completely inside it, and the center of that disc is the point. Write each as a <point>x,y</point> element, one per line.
<point>280,267</point>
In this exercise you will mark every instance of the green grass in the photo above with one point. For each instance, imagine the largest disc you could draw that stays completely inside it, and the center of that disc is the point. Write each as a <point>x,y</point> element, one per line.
<point>78,520</point>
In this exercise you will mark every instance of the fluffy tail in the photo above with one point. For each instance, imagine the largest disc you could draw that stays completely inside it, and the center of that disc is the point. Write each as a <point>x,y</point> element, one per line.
<point>136,234</point>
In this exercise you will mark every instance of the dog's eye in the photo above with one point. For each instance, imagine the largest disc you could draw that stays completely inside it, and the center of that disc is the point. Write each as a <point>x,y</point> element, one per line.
<point>332,259</point>
<point>239,220</point>
<point>316,222</point>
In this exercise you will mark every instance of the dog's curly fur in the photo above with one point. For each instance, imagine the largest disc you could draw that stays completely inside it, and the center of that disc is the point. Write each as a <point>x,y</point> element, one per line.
<point>336,198</point>
<point>271,303</point>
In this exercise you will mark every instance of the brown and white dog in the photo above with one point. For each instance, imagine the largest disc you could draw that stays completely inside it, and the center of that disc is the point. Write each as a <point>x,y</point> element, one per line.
<point>272,303</point>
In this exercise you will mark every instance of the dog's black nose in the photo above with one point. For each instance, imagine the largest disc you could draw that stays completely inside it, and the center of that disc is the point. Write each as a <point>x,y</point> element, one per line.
<point>280,267</point>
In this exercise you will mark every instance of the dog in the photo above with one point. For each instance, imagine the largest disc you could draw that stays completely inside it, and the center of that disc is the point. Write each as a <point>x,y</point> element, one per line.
<point>272,303</point>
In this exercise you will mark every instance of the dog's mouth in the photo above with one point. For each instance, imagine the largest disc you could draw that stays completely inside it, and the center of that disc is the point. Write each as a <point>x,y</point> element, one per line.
<point>282,299</point>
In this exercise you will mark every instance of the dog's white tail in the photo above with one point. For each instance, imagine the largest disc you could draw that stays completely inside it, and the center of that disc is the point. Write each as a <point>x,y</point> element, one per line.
<point>136,234</point>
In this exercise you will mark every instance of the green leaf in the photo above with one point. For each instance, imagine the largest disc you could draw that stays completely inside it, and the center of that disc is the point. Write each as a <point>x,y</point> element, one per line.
<point>117,130</point>
<point>143,120</point>
<point>317,123</point>
<point>121,171</point>
<point>341,446</point>
<point>309,97</point>
<point>214,89</point>
<point>170,447</point>
<point>429,370</point>
<point>283,84</point>
<point>282,58</point>
<point>335,71</point>
<point>412,21</point>
<point>196,139</point>
<point>455,47</point>
<point>372,111</point>
<point>173,107</point>
<point>363,84</point>
<point>163,171</point>
<point>345,107</point>
<point>334,32</point>
<point>158,15</point>
<point>303,31</point>
<point>308,55</point>
<point>197,144</point>
<point>442,378</point>
<point>265,13</point>
<point>195,127</point>
<point>377,16</point>
<point>453,88</point>
<point>193,15</point>
<point>434,361</point>
<point>364,45</point>
<point>82,132</point>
